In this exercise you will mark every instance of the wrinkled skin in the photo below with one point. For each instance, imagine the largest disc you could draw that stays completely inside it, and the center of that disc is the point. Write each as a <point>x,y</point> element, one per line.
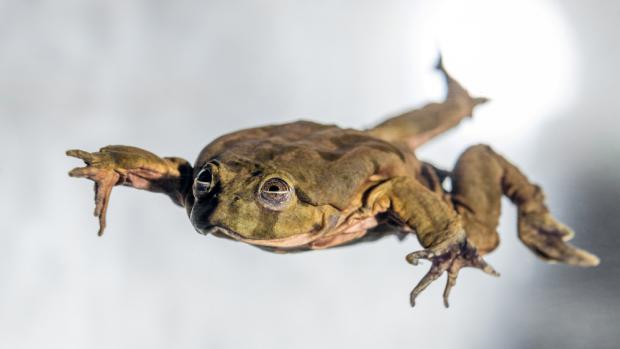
<point>305,186</point>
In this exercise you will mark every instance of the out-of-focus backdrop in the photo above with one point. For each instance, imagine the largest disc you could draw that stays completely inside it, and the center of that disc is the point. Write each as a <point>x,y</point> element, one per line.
<point>170,76</point>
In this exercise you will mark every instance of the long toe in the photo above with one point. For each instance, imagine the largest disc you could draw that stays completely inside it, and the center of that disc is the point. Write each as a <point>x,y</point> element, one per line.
<point>553,248</point>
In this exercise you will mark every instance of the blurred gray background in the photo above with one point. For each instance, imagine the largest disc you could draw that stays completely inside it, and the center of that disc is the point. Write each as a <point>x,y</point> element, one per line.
<point>170,76</point>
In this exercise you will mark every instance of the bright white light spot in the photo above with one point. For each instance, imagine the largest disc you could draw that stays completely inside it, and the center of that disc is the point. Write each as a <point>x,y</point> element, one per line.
<point>517,53</point>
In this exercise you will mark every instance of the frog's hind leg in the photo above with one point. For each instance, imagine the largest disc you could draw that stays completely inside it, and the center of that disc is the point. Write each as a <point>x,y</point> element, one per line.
<point>418,126</point>
<point>480,178</point>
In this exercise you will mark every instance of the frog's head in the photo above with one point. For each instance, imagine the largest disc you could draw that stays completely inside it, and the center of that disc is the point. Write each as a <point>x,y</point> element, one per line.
<point>256,204</point>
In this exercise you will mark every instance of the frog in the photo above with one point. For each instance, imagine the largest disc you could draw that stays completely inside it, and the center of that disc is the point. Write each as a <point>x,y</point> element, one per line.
<point>304,186</point>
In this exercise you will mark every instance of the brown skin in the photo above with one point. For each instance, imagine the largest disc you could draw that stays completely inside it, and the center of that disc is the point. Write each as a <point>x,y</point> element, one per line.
<point>305,186</point>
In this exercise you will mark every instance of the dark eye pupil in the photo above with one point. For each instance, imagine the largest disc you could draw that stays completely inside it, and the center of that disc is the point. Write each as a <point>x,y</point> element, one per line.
<point>275,192</point>
<point>275,186</point>
<point>204,183</point>
<point>205,176</point>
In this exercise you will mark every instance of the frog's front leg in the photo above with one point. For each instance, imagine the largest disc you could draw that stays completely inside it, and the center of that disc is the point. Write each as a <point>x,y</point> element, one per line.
<point>134,167</point>
<point>438,228</point>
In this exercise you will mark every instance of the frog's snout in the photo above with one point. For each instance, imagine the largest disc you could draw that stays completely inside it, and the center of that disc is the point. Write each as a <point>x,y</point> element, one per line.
<point>204,231</point>
<point>213,230</point>
<point>218,231</point>
<point>200,216</point>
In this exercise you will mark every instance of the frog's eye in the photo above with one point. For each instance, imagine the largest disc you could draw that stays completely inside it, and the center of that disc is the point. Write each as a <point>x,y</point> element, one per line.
<point>275,193</point>
<point>204,182</point>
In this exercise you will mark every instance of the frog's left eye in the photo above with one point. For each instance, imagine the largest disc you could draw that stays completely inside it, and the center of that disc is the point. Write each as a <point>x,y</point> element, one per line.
<point>205,181</point>
<point>275,193</point>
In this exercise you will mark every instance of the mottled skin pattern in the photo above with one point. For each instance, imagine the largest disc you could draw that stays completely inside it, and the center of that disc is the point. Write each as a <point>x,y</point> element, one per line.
<point>305,186</point>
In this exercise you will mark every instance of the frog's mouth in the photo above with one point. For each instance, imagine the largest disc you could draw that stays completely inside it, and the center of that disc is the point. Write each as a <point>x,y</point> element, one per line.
<point>287,242</point>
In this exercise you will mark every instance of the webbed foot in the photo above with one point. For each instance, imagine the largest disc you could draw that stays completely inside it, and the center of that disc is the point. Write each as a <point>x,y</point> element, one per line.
<point>547,237</point>
<point>131,166</point>
<point>100,169</point>
<point>450,260</point>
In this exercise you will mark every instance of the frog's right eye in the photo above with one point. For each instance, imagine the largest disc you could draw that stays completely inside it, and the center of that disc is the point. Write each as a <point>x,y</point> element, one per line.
<point>204,182</point>
<point>275,194</point>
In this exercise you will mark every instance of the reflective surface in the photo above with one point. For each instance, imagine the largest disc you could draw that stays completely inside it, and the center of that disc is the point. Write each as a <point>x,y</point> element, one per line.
<point>171,76</point>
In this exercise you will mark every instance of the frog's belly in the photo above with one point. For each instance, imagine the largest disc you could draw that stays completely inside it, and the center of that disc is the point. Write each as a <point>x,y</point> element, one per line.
<point>345,234</point>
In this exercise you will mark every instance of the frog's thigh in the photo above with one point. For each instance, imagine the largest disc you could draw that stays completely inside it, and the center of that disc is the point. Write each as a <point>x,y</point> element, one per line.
<point>477,194</point>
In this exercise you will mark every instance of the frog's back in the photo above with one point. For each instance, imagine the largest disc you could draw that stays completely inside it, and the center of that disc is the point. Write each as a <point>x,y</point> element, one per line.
<point>329,164</point>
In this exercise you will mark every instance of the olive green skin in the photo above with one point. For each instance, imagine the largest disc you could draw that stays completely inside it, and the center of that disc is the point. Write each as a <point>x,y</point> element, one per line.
<point>305,186</point>
<point>330,169</point>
